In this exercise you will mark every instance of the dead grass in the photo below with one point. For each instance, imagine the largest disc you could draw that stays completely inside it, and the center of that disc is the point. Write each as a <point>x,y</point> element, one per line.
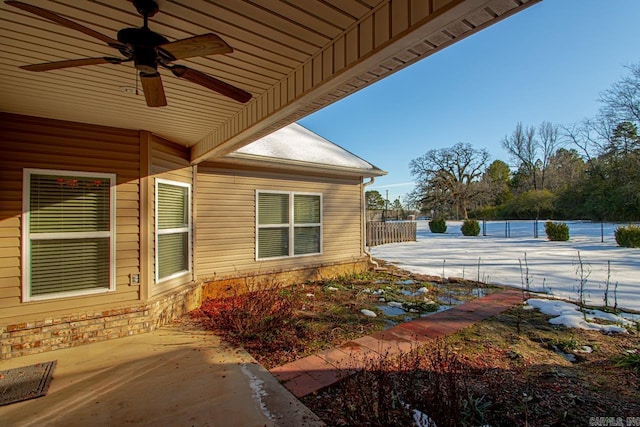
<point>505,379</point>
<point>504,371</point>
<point>279,325</point>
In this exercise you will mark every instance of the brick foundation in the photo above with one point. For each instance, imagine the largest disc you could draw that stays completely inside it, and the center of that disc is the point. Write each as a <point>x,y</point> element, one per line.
<point>49,334</point>
<point>56,333</point>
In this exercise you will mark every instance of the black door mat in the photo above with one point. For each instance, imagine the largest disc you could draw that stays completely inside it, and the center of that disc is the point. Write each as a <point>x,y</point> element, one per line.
<point>27,382</point>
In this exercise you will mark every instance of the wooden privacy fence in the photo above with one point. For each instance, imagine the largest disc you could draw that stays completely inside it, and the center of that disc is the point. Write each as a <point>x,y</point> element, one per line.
<point>379,233</point>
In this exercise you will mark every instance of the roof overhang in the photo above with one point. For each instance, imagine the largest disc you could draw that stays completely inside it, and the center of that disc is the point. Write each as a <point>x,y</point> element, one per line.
<point>294,60</point>
<point>295,148</point>
<point>253,161</point>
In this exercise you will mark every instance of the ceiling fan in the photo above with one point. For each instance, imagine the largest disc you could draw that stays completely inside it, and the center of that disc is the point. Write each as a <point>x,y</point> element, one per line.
<point>148,50</point>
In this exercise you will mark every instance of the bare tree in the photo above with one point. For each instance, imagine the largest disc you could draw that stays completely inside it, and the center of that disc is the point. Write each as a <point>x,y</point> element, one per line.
<point>449,176</point>
<point>548,144</point>
<point>533,154</point>
<point>622,100</point>
<point>583,136</point>
<point>523,147</point>
<point>612,129</point>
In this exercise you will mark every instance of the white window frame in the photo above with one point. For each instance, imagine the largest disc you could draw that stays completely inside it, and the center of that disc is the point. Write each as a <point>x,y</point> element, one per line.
<point>291,225</point>
<point>28,237</point>
<point>159,232</point>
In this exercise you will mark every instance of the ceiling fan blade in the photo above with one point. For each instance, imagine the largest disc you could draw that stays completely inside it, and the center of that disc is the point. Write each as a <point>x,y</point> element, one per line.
<point>211,83</point>
<point>43,13</point>
<point>203,45</point>
<point>46,66</point>
<point>153,89</point>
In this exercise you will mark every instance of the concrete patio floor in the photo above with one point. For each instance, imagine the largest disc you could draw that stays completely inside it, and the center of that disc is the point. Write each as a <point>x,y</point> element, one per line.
<point>174,376</point>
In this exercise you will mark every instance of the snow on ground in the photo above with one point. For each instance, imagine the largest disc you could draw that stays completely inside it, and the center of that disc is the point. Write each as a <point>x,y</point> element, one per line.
<point>569,315</point>
<point>552,266</point>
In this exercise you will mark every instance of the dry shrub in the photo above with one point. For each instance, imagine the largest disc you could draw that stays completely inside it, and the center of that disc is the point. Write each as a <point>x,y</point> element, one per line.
<point>396,390</point>
<point>254,310</point>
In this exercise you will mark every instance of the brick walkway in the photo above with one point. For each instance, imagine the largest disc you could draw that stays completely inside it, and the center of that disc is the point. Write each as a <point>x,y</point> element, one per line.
<point>312,373</point>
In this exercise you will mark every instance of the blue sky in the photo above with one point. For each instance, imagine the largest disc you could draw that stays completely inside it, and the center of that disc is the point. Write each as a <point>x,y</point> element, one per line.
<point>547,63</point>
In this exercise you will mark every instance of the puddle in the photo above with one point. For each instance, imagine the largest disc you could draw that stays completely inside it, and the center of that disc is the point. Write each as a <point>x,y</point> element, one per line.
<point>420,292</point>
<point>390,310</point>
<point>442,307</point>
<point>475,292</point>
<point>479,292</point>
<point>445,299</point>
<point>567,356</point>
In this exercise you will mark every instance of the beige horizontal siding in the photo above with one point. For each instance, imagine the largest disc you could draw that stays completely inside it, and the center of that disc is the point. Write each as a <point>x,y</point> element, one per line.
<point>28,142</point>
<point>226,219</point>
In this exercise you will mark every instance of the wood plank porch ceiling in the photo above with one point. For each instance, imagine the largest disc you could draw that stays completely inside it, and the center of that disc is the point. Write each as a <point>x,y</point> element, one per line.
<point>294,56</point>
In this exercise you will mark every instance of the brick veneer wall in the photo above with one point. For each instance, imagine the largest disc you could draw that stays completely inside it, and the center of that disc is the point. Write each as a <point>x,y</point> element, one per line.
<point>56,333</point>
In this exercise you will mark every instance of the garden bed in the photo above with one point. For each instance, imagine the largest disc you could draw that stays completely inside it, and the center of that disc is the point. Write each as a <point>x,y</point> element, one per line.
<point>279,325</point>
<point>512,369</point>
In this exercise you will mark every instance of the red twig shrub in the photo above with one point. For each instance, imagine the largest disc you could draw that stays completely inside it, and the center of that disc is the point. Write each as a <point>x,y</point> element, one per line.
<point>254,310</point>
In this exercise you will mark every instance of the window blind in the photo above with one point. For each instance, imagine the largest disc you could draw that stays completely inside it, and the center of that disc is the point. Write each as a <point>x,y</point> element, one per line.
<point>65,204</point>
<point>306,240</point>
<point>172,253</point>
<point>173,223</point>
<point>284,232</point>
<point>273,242</point>
<point>273,208</point>
<point>69,265</point>
<point>173,211</point>
<point>306,209</point>
<point>70,233</point>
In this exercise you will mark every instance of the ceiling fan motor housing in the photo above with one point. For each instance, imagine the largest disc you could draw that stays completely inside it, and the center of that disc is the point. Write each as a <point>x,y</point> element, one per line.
<point>146,8</point>
<point>144,43</point>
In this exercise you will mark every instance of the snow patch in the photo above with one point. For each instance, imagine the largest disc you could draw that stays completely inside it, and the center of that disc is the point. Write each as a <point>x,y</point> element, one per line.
<point>256,384</point>
<point>420,419</point>
<point>570,316</point>
<point>368,313</point>
<point>552,307</point>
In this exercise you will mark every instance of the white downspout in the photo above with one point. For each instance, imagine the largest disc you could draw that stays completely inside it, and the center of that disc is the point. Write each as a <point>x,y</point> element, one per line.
<point>364,223</point>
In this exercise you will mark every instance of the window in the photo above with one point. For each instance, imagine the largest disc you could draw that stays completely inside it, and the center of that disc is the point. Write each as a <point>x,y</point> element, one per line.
<point>288,224</point>
<point>69,233</point>
<point>173,229</point>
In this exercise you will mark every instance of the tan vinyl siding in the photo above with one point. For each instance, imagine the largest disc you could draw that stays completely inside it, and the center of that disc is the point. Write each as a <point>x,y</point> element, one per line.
<point>226,219</point>
<point>169,161</point>
<point>28,142</point>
